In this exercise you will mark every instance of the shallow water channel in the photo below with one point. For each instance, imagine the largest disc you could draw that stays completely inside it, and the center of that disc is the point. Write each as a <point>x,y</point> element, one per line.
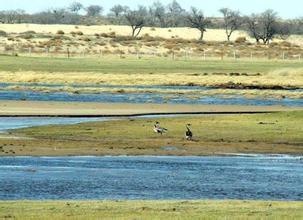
<point>242,177</point>
<point>137,97</point>
<point>261,177</point>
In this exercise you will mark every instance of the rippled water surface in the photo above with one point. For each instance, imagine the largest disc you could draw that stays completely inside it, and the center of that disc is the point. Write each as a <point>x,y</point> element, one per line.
<point>145,98</point>
<point>258,177</point>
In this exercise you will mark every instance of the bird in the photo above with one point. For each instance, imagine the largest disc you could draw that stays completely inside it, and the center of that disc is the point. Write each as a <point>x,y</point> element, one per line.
<point>188,133</point>
<point>158,129</point>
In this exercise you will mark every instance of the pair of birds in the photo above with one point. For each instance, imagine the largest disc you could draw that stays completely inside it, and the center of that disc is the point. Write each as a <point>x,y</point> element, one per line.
<point>160,130</point>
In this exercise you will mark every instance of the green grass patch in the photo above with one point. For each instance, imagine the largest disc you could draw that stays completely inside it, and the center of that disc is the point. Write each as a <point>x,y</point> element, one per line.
<point>129,65</point>
<point>62,210</point>
<point>272,133</point>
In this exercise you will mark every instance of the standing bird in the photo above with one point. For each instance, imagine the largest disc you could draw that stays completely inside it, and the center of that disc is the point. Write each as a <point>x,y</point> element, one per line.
<point>158,129</point>
<point>188,133</point>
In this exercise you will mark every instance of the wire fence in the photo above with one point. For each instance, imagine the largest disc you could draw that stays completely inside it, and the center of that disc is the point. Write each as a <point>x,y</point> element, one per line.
<point>171,54</point>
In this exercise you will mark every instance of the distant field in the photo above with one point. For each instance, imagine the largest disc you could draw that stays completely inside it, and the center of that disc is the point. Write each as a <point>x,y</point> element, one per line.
<point>177,43</point>
<point>63,210</point>
<point>185,33</point>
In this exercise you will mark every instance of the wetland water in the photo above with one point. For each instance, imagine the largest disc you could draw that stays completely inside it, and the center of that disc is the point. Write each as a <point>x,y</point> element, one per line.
<point>231,177</point>
<point>244,177</point>
<point>139,97</point>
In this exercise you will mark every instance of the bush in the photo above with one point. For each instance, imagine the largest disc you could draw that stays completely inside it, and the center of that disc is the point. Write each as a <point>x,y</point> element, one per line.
<point>285,44</point>
<point>86,39</point>
<point>29,32</point>
<point>240,40</point>
<point>60,32</point>
<point>80,33</point>
<point>3,33</point>
<point>109,35</point>
<point>27,36</point>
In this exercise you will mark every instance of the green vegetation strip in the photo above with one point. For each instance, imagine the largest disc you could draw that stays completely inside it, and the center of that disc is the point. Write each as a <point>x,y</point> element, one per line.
<point>129,65</point>
<point>262,133</point>
<point>61,210</point>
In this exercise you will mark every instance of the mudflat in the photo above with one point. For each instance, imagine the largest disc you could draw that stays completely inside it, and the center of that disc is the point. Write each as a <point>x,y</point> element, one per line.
<point>66,109</point>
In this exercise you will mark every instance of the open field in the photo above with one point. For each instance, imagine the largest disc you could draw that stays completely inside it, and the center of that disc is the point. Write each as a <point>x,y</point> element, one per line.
<point>61,210</point>
<point>110,65</point>
<point>185,33</point>
<point>273,133</point>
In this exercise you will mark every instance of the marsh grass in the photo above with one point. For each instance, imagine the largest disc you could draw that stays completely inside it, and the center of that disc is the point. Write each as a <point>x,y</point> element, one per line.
<point>279,133</point>
<point>63,210</point>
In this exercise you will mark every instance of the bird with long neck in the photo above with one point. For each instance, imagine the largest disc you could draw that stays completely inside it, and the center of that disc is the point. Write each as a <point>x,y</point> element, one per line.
<point>188,133</point>
<point>158,129</point>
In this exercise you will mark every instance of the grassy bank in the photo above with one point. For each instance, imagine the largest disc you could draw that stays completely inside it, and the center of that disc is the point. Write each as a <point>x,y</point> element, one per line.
<point>147,66</point>
<point>264,133</point>
<point>62,210</point>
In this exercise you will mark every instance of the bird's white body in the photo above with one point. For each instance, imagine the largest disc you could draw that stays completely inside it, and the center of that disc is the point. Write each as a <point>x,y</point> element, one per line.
<point>159,130</point>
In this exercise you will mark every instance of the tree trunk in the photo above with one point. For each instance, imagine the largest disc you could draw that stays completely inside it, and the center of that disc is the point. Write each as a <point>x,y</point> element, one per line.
<point>201,35</point>
<point>138,31</point>
<point>133,32</point>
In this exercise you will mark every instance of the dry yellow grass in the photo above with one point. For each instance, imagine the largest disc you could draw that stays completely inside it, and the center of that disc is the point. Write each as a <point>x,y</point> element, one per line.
<point>283,77</point>
<point>185,33</point>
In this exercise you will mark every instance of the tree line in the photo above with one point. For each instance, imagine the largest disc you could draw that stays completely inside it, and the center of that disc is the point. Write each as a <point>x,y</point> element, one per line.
<point>263,27</point>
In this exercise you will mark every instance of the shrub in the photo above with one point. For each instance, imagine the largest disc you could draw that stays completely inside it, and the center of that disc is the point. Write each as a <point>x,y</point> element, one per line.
<point>29,32</point>
<point>80,33</point>
<point>27,36</point>
<point>153,29</point>
<point>285,44</point>
<point>3,33</point>
<point>60,32</point>
<point>240,40</point>
<point>86,39</point>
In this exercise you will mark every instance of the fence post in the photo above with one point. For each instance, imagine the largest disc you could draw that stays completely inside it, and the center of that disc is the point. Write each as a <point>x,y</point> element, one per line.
<point>283,55</point>
<point>68,53</point>
<point>204,55</point>
<point>30,51</point>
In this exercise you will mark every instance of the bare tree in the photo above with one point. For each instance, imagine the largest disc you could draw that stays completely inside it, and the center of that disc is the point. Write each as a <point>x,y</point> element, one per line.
<point>175,13</point>
<point>158,11</point>
<point>197,20</point>
<point>136,19</point>
<point>118,10</point>
<point>263,26</point>
<point>284,30</point>
<point>12,16</point>
<point>232,21</point>
<point>94,10</point>
<point>75,7</point>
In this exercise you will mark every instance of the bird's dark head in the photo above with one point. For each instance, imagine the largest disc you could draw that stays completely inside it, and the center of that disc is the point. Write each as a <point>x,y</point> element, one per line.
<point>188,125</point>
